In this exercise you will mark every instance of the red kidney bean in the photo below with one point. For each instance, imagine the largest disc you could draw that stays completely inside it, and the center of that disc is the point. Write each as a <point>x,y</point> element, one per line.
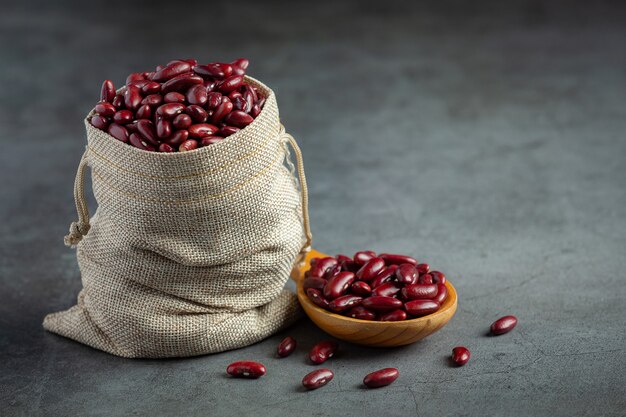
<point>197,113</point>
<point>322,266</point>
<point>135,76</point>
<point>118,132</point>
<point>395,315</point>
<point>170,110</point>
<point>197,94</point>
<point>201,130</point>
<point>423,268</point>
<point>426,279</point>
<point>99,122</point>
<point>286,347</point>
<point>381,378</point>
<point>255,111</point>
<point>396,259</point>
<point>181,83</point>
<point>343,259</point>
<point>123,117</point>
<point>210,140</point>
<point>210,70</point>
<point>361,313</point>
<point>174,97</point>
<point>182,121</point>
<point>233,95</point>
<point>172,70</point>
<point>345,302</point>
<point>139,83</point>
<point>138,142</point>
<point>438,277</point>
<point>164,147</point>
<point>151,87</point>
<point>317,378</point>
<point>407,274</point>
<point>332,271</point>
<point>442,293</point>
<point>381,303</point>
<point>503,325</point>
<point>144,112</point>
<point>421,307</point>
<point>419,291</point>
<point>105,109</point>
<point>316,297</point>
<point>247,95</point>
<point>313,282</point>
<point>164,128</point>
<point>385,275</point>
<point>188,145</point>
<point>239,119</point>
<point>372,268</point>
<point>388,289</point>
<point>213,100</point>
<point>107,93</point>
<point>118,101</point>
<point>246,369</point>
<point>241,63</point>
<point>261,102</point>
<point>240,103</point>
<point>362,257</point>
<point>460,355</point>
<point>230,84</point>
<point>338,284</point>
<point>147,131</point>
<point>177,138</point>
<point>323,351</point>
<point>132,97</point>
<point>152,100</point>
<point>227,68</point>
<point>132,127</point>
<point>228,130</point>
<point>361,288</point>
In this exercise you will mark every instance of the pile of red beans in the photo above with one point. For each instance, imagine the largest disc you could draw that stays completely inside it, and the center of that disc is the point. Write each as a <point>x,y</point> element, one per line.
<point>385,287</point>
<point>180,106</point>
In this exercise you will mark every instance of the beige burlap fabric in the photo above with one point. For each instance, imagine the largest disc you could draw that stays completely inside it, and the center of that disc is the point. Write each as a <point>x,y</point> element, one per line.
<point>187,253</point>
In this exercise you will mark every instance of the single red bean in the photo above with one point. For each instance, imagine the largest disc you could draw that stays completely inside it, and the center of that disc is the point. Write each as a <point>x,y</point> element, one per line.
<point>118,101</point>
<point>123,117</point>
<point>164,128</point>
<point>407,274</point>
<point>171,70</point>
<point>241,63</point>
<point>388,289</point>
<point>197,113</point>
<point>227,68</point>
<point>239,119</point>
<point>317,298</point>
<point>138,142</point>
<point>188,145</point>
<point>361,288</point>
<point>107,93</point>
<point>261,102</point>
<point>118,132</point>
<point>201,130</point>
<point>132,127</point>
<point>233,95</point>
<point>210,70</point>
<point>181,83</point>
<point>144,112</point>
<point>139,83</point>
<point>99,122</point>
<point>372,268</point>
<point>135,76</point>
<point>147,131</point>
<point>152,100</point>
<point>170,110</point>
<point>164,147</point>
<point>421,307</point>
<point>151,87</point>
<point>385,275</point>
<point>222,110</point>
<point>423,268</point>
<point>177,138</point>
<point>338,285</point>
<point>345,302</point>
<point>426,279</point>
<point>317,378</point>
<point>313,282</point>
<point>442,293</point>
<point>228,130</point>
<point>362,257</point>
<point>323,351</point>
<point>322,266</point>
<point>395,259</point>
<point>420,291</point>
<point>503,325</point>
<point>381,303</point>
<point>246,369</point>
<point>395,315</point>
<point>214,99</point>
<point>240,103</point>
<point>210,140</point>
<point>105,109</point>
<point>255,111</point>
<point>182,121</point>
<point>343,259</point>
<point>231,83</point>
<point>286,347</point>
<point>174,97</point>
<point>197,94</point>
<point>132,97</point>
<point>361,313</point>
<point>438,277</point>
<point>381,377</point>
<point>332,271</point>
<point>460,355</point>
<point>247,95</point>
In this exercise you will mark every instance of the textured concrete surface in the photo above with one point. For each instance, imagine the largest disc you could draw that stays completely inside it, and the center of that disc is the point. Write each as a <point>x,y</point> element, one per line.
<point>488,140</point>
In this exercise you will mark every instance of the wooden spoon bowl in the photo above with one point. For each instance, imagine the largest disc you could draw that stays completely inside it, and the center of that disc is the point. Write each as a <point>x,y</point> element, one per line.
<point>373,333</point>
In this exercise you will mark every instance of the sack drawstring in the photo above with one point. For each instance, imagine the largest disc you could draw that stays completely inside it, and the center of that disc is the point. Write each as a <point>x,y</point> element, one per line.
<point>304,192</point>
<point>79,228</point>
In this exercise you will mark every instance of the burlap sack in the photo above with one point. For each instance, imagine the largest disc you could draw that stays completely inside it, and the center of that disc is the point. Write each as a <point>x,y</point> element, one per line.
<point>187,253</point>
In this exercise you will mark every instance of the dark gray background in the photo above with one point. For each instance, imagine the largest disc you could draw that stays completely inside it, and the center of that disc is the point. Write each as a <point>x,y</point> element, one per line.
<point>488,139</point>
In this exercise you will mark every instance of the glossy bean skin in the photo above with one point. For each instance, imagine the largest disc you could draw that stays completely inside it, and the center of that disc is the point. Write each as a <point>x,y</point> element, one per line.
<point>395,315</point>
<point>241,63</point>
<point>210,70</point>
<point>385,275</point>
<point>314,282</point>
<point>123,117</point>
<point>105,109</point>
<point>164,147</point>
<point>361,313</point>
<point>381,378</point>
<point>132,97</point>
<point>135,76</point>
<point>173,97</point>
<point>214,99</point>
<point>182,121</point>
<point>381,303</point>
<point>246,369</point>
<point>201,130</point>
<point>210,140</point>
<point>420,291</point>
<point>338,285</point>
<point>138,142</point>
<point>323,351</point>
<point>228,130</point>
<point>153,100</point>
<point>147,131</point>
<point>238,119</point>
<point>407,274</point>
<point>395,259</point>
<point>118,101</point>
<point>460,355</point>
<point>343,259</point>
<point>420,308</point>
<point>119,132</point>
<point>177,138</point>
<point>286,347</point>
<point>362,257</point>
<point>99,122</point>
<point>197,94</point>
<point>317,298</point>
<point>442,293</point>
<point>197,113</point>
<point>317,378</point>
<point>230,84</point>
<point>361,288</point>
<point>188,145</point>
<point>170,110</point>
<point>422,268</point>
<point>503,325</point>
<point>221,111</point>
<point>438,277</point>
<point>255,111</point>
<point>107,92</point>
<point>151,87</point>
<point>164,128</point>
<point>321,266</point>
<point>426,279</point>
<point>371,268</point>
<point>388,289</point>
<point>144,112</point>
<point>181,83</point>
<point>172,70</point>
<point>345,302</point>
